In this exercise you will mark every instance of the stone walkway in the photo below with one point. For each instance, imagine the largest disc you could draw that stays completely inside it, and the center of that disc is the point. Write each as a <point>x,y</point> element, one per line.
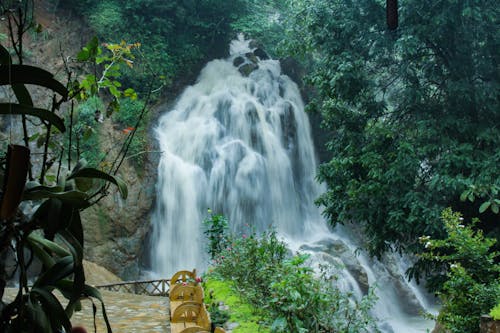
<point>126,313</point>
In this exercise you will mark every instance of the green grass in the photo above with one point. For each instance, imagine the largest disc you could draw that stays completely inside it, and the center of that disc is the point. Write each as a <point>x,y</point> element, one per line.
<point>240,312</point>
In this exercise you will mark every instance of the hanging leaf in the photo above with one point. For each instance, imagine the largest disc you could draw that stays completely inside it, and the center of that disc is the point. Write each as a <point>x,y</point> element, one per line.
<point>77,198</point>
<point>94,173</point>
<point>49,245</point>
<point>484,206</point>
<point>24,74</point>
<point>58,317</point>
<point>93,292</point>
<point>18,109</point>
<point>38,316</point>
<point>42,255</point>
<point>62,269</point>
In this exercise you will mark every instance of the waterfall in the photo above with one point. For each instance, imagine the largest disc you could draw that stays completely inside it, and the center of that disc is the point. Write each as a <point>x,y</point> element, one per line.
<point>239,142</point>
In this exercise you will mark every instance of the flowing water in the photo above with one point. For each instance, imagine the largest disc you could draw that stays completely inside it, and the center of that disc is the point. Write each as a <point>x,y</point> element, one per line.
<point>241,145</point>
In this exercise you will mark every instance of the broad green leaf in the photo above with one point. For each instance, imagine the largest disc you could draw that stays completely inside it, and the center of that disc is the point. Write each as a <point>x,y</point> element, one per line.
<point>76,198</point>
<point>484,206</point>
<point>65,286</point>
<point>94,173</point>
<point>46,259</point>
<point>93,292</point>
<point>76,248</point>
<point>464,195</point>
<point>22,94</point>
<point>83,55</point>
<point>114,91</point>
<point>48,244</point>
<point>62,269</point>
<point>39,316</point>
<point>52,306</point>
<point>24,74</point>
<point>18,109</point>
<point>82,163</point>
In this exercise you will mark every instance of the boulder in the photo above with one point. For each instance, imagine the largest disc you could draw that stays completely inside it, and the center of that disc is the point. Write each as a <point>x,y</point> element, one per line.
<point>238,61</point>
<point>251,57</point>
<point>247,68</point>
<point>261,54</point>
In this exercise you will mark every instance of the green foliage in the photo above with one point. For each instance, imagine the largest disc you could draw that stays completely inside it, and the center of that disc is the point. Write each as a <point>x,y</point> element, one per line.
<point>241,312</point>
<point>111,58</point>
<point>126,117</point>
<point>301,302</point>
<point>412,113</point>
<point>292,298</point>
<point>263,23</point>
<point>472,284</point>
<point>252,262</point>
<point>175,35</point>
<point>86,129</point>
<point>495,312</point>
<point>489,192</point>
<point>218,316</point>
<point>216,231</point>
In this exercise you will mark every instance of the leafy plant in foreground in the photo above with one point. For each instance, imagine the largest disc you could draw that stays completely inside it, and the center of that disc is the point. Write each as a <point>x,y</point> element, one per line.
<point>49,242</point>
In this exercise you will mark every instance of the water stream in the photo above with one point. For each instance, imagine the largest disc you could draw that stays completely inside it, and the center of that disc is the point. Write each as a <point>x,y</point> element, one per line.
<point>242,146</point>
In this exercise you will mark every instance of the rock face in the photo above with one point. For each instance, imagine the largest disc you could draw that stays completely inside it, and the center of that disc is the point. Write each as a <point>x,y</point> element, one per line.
<point>115,230</point>
<point>489,325</point>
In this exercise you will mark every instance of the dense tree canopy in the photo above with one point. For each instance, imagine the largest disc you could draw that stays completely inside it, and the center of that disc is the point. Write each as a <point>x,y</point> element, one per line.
<point>175,35</point>
<point>414,113</point>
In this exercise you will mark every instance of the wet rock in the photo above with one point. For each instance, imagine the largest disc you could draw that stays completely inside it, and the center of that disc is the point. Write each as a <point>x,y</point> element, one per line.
<point>247,69</point>
<point>251,57</point>
<point>261,54</point>
<point>238,61</point>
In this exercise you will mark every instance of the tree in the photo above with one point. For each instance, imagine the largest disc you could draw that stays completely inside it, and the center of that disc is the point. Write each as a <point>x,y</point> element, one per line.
<point>413,113</point>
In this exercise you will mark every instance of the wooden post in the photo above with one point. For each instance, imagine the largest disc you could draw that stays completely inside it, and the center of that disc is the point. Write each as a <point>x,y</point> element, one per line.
<point>392,14</point>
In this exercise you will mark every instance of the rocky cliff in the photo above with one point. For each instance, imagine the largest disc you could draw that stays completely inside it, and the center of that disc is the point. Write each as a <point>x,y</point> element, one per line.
<point>114,229</point>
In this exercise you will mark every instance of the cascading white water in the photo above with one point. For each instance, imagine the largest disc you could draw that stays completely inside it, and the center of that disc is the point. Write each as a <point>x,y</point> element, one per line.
<point>241,145</point>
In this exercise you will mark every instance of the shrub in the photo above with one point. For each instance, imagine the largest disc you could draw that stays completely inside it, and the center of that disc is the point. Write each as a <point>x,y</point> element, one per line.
<point>472,285</point>
<point>293,298</point>
<point>495,312</point>
<point>241,312</point>
<point>216,232</point>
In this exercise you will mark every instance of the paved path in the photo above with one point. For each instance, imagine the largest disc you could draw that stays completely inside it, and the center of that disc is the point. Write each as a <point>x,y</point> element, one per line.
<point>126,313</point>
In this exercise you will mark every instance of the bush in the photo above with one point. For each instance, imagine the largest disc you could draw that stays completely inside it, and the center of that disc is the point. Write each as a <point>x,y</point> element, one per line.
<point>472,285</point>
<point>241,312</point>
<point>292,297</point>
<point>216,232</point>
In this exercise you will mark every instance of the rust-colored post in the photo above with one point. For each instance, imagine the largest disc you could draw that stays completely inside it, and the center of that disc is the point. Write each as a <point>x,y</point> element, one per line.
<point>18,159</point>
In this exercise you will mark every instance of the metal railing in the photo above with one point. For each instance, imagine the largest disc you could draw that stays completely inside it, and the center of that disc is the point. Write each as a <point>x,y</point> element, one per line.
<point>146,287</point>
